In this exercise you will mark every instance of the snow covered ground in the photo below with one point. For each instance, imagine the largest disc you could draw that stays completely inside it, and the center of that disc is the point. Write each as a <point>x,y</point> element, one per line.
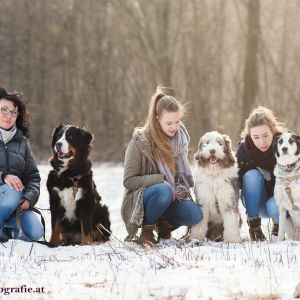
<point>127,271</point>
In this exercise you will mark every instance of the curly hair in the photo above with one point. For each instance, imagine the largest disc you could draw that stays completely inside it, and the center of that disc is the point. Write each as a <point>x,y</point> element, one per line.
<point>19,101</point>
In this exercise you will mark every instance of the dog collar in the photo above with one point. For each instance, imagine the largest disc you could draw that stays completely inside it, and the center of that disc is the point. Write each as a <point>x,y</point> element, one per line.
<point>288,171</point>
<point>75,179</point>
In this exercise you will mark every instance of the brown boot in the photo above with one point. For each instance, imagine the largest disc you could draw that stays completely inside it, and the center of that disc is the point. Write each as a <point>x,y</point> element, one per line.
<point>164,230</point>
<point>255,231</point>
<point>275,228</point>
<point>147,236</point>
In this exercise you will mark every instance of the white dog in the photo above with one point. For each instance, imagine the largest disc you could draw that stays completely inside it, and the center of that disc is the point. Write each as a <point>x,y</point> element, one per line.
<point>287,186</point>
<point>216,190</point>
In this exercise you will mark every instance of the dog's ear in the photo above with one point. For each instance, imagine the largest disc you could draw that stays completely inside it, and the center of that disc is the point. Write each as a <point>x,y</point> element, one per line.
<point>297,139</point>
<point>228,149</point>
<point>85,137</point>
<point>274,145</point>
<point>54,134</point>
<point>197,156</point>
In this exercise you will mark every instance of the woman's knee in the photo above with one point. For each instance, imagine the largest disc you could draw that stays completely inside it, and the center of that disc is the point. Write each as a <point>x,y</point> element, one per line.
<point>252,176</point>
<point>36,233</point>
<point>32,227</point>
<point>164,193</point>
<point>193,214</point>
<point>196,216</point>
<point>9,196</point>
<point>9,201</point>
<point>272,209</point>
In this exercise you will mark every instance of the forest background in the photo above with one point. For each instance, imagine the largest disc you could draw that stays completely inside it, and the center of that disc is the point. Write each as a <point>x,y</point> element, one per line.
<point>96,63</point>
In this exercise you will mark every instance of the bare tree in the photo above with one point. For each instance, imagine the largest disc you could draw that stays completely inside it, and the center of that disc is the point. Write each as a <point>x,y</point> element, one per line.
<point>250,71</point>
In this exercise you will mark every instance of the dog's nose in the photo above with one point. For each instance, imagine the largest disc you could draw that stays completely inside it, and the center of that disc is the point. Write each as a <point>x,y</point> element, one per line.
<point>58,145</point>
<point>212,151</point>
<point>284,149</point>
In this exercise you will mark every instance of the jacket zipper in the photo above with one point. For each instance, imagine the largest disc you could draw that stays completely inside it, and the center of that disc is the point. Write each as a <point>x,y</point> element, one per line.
<point>6,157</point>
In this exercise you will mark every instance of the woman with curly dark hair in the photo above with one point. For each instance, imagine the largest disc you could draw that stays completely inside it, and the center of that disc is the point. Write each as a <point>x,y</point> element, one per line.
<point>19,176</point>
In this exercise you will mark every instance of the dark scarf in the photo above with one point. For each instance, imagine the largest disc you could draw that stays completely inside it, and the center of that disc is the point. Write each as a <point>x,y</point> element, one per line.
<point>265,160</point>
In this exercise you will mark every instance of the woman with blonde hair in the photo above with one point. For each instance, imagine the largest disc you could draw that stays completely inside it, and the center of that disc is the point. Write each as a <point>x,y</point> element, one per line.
<point>256,162</point>
<point>157,175</point>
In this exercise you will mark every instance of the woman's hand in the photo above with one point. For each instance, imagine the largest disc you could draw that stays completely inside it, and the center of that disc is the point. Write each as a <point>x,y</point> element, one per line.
<point>180,194</point>
<point>25,204</point>
<point>14,182</point>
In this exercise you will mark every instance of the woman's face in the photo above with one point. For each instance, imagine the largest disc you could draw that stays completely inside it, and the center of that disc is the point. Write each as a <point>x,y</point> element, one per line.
<point>262,137</point>
<point>169,122</point>
<point>8,114</point>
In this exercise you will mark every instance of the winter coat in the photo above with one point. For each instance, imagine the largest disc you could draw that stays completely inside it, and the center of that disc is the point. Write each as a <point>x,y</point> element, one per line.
<point>16,158</point>
<point>245,164</point>
<point>140,171</point>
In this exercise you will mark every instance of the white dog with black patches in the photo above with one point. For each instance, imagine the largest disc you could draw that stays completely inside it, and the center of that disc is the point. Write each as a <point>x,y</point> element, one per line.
<point>216,190</point>
<point>287,186</point>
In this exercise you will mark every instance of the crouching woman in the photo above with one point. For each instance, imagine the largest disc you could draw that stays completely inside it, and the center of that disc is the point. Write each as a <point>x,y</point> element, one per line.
<point>256,161</point>
<point>19,176</point>
<point>157,175</point>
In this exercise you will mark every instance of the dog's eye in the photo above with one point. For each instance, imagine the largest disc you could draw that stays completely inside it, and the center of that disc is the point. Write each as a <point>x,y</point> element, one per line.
<point>280,142</point>
<point>291,141</point>
<point>220,143</point>
<point>69,136</point>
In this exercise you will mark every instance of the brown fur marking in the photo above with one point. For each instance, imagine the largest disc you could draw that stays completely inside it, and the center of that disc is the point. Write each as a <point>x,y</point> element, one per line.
<point>54,240</point>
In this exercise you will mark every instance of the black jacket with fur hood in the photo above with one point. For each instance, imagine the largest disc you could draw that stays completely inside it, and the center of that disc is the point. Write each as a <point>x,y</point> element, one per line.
<point>16,158</point>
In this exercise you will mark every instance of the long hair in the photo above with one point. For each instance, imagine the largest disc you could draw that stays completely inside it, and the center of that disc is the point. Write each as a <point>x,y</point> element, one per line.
<point>262,116</point>
<point>160,145</point>
<point>19,101</point>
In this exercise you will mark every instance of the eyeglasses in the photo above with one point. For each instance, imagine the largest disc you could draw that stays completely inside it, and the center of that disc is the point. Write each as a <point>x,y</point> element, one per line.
<point>5,111</point>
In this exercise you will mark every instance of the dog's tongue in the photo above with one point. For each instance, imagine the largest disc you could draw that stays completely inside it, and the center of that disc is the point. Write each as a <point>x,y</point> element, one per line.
<point>212,159</point>
<point>61,154</point>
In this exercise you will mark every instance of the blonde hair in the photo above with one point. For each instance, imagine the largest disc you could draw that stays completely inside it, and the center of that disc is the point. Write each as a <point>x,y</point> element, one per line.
<point>160,145</point>
<point>262,116</point>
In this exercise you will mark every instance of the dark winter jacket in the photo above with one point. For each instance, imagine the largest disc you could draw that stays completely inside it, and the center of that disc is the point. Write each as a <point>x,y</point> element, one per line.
<point>245,164</point>
<point>16,158</point>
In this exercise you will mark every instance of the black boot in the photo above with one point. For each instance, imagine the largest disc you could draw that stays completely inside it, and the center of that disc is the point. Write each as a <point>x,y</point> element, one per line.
<point>255,231</point>
<point>5,234</point>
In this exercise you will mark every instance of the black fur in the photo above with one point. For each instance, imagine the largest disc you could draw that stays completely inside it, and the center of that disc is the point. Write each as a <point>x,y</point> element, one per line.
<point>75,173</point>
<point>294,138</point>
<point>274,145</point>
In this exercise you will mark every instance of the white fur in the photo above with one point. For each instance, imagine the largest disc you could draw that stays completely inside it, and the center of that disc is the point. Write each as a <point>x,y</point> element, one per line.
<point>68,201</point>
<point>213,182</point>
<point>291,225</point>
<point>63,140</point>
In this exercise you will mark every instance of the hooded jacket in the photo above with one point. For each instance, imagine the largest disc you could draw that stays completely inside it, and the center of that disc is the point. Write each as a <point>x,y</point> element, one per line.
<point>140,172</point>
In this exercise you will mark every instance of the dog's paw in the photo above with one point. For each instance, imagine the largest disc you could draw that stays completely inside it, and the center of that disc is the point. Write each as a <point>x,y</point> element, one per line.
<point>192,243</point>
<point>276,239</point>
<point>233,240</point>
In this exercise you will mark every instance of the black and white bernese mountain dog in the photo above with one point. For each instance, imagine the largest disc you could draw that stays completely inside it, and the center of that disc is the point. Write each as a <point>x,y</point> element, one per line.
<point>77,214</point>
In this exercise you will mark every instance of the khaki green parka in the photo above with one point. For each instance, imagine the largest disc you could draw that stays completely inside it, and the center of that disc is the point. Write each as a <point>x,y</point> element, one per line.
<point>140,172</point>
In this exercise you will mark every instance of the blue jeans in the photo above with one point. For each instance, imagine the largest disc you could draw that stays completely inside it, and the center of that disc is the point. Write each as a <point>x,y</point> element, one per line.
<point>30,224</point>
<point>158,204</point>
<point>255,198</point>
